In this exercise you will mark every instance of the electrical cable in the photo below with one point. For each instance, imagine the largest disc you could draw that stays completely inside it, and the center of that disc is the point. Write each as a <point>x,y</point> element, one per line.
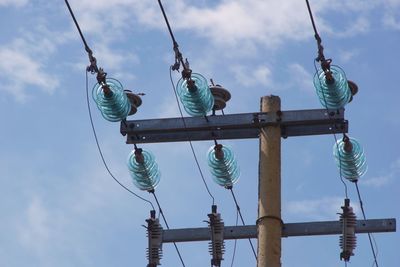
<point>93,62</point>
<point>167,22</point>
<point>241,218</point>
<point>370,236</point>
<point>235,244</point>
<point>312,20</point>
<point>100,150</point>
<point>190,142</point>
<point>77,26</point>
<point>166,224</point>
<point>175,43</point>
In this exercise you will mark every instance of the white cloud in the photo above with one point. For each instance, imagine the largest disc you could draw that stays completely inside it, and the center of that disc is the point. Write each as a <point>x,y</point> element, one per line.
<point>34,231</point>
<point>239,23</point>
<point>16,3</point>
<point>20,70</point>
<point>347,55</point>
<point>318,209</point>
<point>385,179</point>
<point>300,78</point>
<point>248,77</point>
<point>392,21</point>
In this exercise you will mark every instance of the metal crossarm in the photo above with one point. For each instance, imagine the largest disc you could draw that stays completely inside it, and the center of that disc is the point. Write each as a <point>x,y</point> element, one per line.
<point>234,126</point>
<point>288,230</point>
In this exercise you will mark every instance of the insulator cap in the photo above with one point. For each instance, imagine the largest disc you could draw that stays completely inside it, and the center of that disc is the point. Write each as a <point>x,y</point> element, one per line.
<point>350,158</point>
<point>111,100</point>
<point>195,95</point>
<point>332,94</point>
<point>143,169</point>
<point>223,166</point>
<point>221,96</point>
<point>135,101</point>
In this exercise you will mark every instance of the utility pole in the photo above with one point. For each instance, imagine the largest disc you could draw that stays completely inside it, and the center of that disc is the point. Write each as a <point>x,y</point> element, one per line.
<point>269,125</point>
<point>269,223</point>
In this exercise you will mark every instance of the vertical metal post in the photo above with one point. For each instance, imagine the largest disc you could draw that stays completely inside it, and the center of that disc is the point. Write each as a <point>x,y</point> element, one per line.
<point>269,223</point>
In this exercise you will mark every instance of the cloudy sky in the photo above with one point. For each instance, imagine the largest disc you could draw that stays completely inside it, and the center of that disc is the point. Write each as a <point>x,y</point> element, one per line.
<point>60,208</point>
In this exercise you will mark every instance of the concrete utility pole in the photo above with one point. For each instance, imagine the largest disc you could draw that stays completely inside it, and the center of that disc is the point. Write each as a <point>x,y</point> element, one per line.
<point>269,223</point>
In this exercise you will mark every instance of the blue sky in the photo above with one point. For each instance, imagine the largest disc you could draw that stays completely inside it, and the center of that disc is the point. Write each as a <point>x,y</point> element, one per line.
<point>60,208</point>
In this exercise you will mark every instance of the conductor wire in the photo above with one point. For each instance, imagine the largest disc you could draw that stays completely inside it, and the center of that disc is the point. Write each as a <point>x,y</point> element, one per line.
<point>79,28</point>
<point>370,236</point>
<point>166,224</point>
<point>175,43</point>
<point>241,218</point>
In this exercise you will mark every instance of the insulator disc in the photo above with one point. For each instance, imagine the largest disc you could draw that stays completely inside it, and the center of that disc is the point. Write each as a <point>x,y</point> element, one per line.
<point>225,171</point>
<point>352,164</point>
<point>145,175</point>
<point>115,105</point>
<point>196,102</point>
<point>332,95</point>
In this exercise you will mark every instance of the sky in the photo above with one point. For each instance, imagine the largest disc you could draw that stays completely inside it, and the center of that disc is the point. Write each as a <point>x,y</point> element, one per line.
<point>59,206</point>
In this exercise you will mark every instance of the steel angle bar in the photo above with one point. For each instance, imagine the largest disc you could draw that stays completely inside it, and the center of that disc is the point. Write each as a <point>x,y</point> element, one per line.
<point>288,230</point>
<point>234,126</point>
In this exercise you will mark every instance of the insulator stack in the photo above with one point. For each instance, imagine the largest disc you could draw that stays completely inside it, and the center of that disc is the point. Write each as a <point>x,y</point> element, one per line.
<point>143,169</point>
<point>216,245</point>
<point>195,95</point>
<point>111,100</point>
<point>154,234</point>
<point>332,93</point>
<point>223,165</point>
<point>348,239</point>
<point>221,96</point>
<point>350,158</point>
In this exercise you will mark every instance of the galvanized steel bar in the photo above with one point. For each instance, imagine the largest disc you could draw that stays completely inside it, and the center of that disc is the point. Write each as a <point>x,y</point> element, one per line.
<point>234,126</point>
<point>288,229</point>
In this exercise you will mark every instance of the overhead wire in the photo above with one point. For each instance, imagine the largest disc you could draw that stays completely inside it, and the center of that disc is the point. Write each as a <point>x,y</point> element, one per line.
<point>321,57</point>
<point>235,242</point>
<point>241,218</point>
<point>370,236</point>
<point>78,27</point>
<point>166,224</point>
<point>101,152</point>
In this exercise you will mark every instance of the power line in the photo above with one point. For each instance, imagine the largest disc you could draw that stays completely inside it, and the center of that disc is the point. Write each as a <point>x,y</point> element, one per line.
<point>77,26</point>
<point>166,224</point>
<point>178,55</point>
<point>100,150</point>
<point>370,236</point>
<point>235,244</point>
<point>241,218</point>
<point>93,62</point>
